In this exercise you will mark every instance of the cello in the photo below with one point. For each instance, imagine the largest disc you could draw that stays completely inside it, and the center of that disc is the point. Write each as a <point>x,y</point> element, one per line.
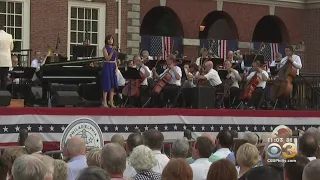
<point>132,89</point>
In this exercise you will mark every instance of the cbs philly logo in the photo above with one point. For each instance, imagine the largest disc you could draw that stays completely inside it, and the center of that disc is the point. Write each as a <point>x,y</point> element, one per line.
<point>278,153</point>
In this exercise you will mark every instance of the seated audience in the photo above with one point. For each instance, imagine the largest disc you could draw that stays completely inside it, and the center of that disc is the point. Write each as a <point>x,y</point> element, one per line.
<point>93,173</point>
<point>293,170</point>
<point>247,157</point>
<point>27,167</point>
<point>262,173</point>
<point>33,144</point>
<point>60,170</point>
<point>10,154</point>
<point>154,140</point>
<point>180,148</point>
<point>48,163</point>
<point>200,153</point>
<point>113,160</point>
<point>177,169</point>
<point>142,159</point>
<point>312,170</point>
<point>308,146</point>
<point>222,169</point>
<point>224,142</point>
<point>134,140</point>
<point>211,138</point>
<point>117,138</point>
<point>93,157</point>
<point>75,151</point>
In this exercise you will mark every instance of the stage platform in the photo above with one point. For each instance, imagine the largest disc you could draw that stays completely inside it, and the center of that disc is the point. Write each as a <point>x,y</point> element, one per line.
<point>51,123</point>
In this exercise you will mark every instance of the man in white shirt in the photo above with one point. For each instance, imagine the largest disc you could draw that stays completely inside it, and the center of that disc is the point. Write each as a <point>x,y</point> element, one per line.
<point>36,63</point>
<point>200,153</point>
<point>6,46</point>
<point>212,76</point>
<point>154,140</point>
<point>145,71</point>
<point>204,55</point>
<point>258,91</point>
<point>276,62</point>
<point>224,142</point>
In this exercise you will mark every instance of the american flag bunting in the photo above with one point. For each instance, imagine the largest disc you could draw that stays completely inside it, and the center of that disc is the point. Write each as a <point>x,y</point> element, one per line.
<point>160,47</point>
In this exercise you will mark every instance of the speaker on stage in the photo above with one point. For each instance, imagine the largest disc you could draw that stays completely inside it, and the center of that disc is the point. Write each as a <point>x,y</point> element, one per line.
<point>64,98</point>
<point>200,97</point>
<point>5,98</point>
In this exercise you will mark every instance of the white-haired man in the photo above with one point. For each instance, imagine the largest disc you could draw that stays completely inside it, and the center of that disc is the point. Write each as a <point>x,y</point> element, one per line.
<point>180,148</point>
<point>33,144</point>
<point>27,167</point>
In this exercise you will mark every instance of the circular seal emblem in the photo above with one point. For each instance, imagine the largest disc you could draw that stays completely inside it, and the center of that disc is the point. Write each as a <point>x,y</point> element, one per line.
<point>282,129</point>
<point>87,129</point>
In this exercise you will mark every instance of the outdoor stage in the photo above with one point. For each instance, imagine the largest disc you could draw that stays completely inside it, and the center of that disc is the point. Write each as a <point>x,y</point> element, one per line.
<point>50,123</point>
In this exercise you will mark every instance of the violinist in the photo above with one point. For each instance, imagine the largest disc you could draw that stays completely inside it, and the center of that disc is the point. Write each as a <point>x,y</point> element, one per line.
<point>235,79</point>
<point>276,62</point>
<point>257,70</point>
<point>145,56</point>
<point>204,56</point>
<point>171,89</point>
<point>191,71</point>
<point>212,76</point>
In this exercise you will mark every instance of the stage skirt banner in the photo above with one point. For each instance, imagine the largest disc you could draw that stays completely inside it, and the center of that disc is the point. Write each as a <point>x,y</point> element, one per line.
<point>52,123</point>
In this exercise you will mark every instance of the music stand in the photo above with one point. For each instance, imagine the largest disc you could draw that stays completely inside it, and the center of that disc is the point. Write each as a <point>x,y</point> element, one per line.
<point>131,74</point>
<point>223,73</point>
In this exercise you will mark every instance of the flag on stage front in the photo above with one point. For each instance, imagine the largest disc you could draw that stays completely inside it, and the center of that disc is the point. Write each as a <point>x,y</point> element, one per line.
<point>219,48</point>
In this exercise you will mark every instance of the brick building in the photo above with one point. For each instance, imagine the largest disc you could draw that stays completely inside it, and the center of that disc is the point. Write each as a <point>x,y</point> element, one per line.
<point>37,24</point>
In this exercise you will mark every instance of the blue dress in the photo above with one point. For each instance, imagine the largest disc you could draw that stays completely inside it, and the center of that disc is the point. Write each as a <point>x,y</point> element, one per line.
<point>108,74</point>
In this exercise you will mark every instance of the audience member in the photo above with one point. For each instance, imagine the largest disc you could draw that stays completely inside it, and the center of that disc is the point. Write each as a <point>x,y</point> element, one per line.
<point>60,170</point>
<point>177,169</point>
<point>76,150</point>
<point>312,170</point>
<point>8,157</point>
<point>113,160</point>
<point>222,169</point>
<point>48,163</point>
<point>224,142</point>
<point>23,135</point>
<point>190,160</point>
<point>236,145</point>
<point>180,148</point>
<point>234,133</point>
<point>316,133</point>
<point>293,168</point>
<point>247,157</point>
<point>262,173</point>
<point>201,152</point>
<point>308,146</point>
<point>187,134</point>
<point>142,159</point>
<point>134,140</point>
<point>27,167</point>
<point>117,138</point>
<point>93,157</point>
<point>33,144</point>
<point>93,173</point>
<point>154,140</point>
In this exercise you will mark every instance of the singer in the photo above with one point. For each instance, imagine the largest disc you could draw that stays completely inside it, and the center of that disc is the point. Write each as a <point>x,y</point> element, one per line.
<point>108,75</point>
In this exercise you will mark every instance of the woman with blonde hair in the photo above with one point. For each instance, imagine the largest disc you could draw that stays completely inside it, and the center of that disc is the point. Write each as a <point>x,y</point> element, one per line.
<point>93,157</point>
<point>247,157</point>
<point>177,169</point>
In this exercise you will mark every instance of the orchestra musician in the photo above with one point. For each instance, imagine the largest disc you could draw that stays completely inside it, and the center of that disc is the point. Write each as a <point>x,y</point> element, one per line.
<point>6,46</point>
<point>191,71</point>
<point>212,76</point>
<point>257,70</point>
<point>276,62</point>
<point>204,55</point>
<point>108,75</point>
<point>138,63</point>
<point>170,91</point>
<point>145,56</point>
<point>235,78</point>
<point>36,63</point>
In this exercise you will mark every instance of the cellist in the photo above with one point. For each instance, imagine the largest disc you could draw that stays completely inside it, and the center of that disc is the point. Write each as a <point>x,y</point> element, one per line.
<point>257,70</point>
<point>137,63</point>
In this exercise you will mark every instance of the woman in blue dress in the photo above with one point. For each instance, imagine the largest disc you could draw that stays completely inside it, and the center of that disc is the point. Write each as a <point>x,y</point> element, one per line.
<point>108,75</point>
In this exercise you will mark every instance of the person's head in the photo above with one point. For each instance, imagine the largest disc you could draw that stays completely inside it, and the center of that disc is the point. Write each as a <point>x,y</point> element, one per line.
<point>60,170</point>
<point>263,173</point>
<point>113,159</point>
<point>193,67</point>
<point>93,173</point>
<point>278,57</point>
<point>251,137</point>
<point>10,154</point>
<point>315,132</point>
<point>27,167</point>
<point>93,157</point>
<point>230,55</point>
<point>256,65</point>
<point>222,169</point>
<point>75,147</point>
<point>137,60</point>
<point>48,163</point>
<point>134,140</point>
<point>145,54</point>
<point>117,138</point>
<point>33,144</point>
<point>289,50</point>
<point>180,148</point>
<point>130,63</point>
<point>228,64</point>
<point>109,40</point>
<point>203,148</point>
<point>23,135</point>
<point>187,134</point>
<point>177,169</point>
<point>208,66</point>
<point>204,52</point>
<point>142,158</point>
<point>312,170</point>
<point>153,139</point>
<point>247,155</point>
<point>224,139</point>
<point>293,170</point>
<point>308,145</point>
<point>171,59</point>
<point>234,133</point>
<point>210,137</point>
<point>14,60</point>
<point>37,54</point>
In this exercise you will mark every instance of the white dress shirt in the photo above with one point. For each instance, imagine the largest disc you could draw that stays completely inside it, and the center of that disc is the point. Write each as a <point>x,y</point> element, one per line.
<point>145,81</point>
<point>233,77</point>
<point>6,46</point>
<point>219,154</point>
<point>312,158</point>
<point>173,79</point>
<point>35,64</point>
<point>262,83</point>
<point>296,62</point>
<point>200,168</point>
<point>213,77</point>
<point>162,161</point>
<point>121,80</point>
<point>130,171</point>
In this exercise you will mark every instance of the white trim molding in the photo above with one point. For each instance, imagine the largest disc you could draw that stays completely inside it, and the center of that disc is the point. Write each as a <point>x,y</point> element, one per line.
<point>26,24</point>
<point>298,4</point>
<point>101,22</point>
